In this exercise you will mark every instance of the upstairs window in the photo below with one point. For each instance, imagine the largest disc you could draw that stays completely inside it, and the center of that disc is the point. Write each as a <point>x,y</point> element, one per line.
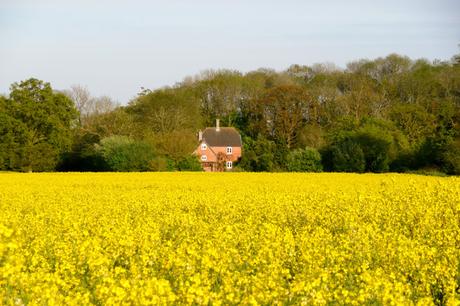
<point>204,157</point>
<point>203,146</point>
<point>229,165</point>
<point>229,150</point>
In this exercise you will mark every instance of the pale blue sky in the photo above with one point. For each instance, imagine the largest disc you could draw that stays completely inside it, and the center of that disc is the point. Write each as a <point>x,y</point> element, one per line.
<point>115,47</point>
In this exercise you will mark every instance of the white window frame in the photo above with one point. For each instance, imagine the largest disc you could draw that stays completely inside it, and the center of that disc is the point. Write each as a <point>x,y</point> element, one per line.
<point>229,150</point>
<point>204,158</point>
<point>229,164</point>
<point>204,147</point>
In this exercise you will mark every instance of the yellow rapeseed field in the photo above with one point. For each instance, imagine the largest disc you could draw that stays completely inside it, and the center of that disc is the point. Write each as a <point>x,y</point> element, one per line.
<point>229,238</point>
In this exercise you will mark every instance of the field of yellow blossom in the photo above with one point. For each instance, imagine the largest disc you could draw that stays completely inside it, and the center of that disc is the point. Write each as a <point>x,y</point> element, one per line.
<point>229,238</point>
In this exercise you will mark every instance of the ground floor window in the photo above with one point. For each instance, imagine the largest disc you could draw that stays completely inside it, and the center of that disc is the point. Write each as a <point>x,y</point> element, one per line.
<point>229,165</point>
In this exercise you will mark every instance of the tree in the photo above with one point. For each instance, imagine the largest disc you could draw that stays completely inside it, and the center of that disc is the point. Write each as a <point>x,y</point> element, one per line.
<point>12,142</point>
<point>220,94</point>
<point>258,154</point>
<point>281,113</point>
<point>165,111</point>
<point>82,99</point>
<point>327,104</point>
<point>90,108</point>
<point>221,159</point>
<point>48,118</point>
<point>115,122</point>
<point>358,95</point>
<point>311,136</point>
<point>414,121</point>
<point>176,145</point>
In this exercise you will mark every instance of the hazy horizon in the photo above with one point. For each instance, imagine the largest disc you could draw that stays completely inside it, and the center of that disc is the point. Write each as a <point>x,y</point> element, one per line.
<point>116,47</point>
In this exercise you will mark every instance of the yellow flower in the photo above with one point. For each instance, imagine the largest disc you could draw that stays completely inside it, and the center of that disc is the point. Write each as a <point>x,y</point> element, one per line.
<point>229,238</point>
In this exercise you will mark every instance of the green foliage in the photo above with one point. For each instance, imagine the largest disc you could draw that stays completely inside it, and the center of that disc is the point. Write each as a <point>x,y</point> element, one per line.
<point>115,122</point>
<point>376,149</point>
<point>84,155</point>
<point>258,155</point>
<point>121,153</point>
<point>451,158</point>
<point>189,163</point>
<point>279,114</point>
<point>165,111</point>
<point>220,93</point>
<point>175,145</point>
<point>414,121</point>
<point>304,160</point>
<point>441,152</point>
<point>43,121</point>
<point>162,163</point>
<point>386,114</point>
<point>13,138</point>
<point>311,136</point>
<point>347,156</point>
<point>369,145</point>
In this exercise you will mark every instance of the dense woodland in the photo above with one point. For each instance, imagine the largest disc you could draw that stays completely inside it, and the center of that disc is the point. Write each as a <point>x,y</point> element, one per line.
<point>387,114</point>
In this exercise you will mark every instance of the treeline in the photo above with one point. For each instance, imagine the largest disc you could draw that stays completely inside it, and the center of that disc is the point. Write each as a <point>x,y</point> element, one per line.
<point>387,114</point>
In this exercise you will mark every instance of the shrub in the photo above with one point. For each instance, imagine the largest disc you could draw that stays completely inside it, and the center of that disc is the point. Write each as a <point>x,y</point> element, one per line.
<point>258,154</point>
<point>376,149</point>
<point>161,163</point>
<point>304,160</point>
<point>347,156</point>
<point>189,163</point>
<point>84,155</point>
<point>451,158</point>
<point>371,146</point>
<point>124,154</point>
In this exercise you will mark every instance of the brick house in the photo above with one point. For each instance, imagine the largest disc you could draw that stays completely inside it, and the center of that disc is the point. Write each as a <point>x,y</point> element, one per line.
<point>218,148</point>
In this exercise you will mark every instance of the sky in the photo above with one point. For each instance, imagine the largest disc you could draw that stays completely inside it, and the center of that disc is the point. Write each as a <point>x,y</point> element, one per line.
<point>115,47</point>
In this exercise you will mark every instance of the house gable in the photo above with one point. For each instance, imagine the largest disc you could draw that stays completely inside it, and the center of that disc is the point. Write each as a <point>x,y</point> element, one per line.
<point>211,156</point>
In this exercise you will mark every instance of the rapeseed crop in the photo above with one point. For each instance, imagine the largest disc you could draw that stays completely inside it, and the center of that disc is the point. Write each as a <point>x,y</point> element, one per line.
<point>229,238</point>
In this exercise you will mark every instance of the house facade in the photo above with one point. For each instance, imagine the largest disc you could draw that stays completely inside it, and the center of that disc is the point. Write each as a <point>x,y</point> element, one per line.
<point>219,148</point>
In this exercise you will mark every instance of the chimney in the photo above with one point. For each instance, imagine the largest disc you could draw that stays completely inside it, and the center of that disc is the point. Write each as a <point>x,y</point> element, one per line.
<point>200,135</point>
<point>217,125</point>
